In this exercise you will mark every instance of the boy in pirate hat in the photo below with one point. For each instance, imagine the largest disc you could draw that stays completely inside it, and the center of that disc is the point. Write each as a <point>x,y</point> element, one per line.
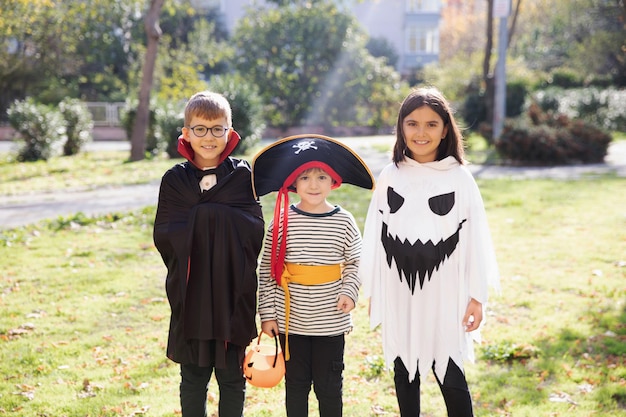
<point>308,281</point>
<point>209,231</point>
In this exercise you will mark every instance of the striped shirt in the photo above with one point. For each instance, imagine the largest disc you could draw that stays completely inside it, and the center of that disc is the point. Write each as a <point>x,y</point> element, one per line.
<point>313,239</point>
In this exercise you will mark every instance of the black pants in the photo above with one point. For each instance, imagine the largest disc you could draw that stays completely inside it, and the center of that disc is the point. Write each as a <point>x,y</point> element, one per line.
<point>317,360</point>
<point>454,390</point>
<point>232,386</point>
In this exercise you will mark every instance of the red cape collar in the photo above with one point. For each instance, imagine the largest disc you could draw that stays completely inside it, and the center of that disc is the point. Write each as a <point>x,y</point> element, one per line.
<point>184,148</point>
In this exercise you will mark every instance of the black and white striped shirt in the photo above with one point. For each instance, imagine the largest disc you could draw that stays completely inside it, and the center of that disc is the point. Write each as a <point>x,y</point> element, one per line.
<point>313,239</point>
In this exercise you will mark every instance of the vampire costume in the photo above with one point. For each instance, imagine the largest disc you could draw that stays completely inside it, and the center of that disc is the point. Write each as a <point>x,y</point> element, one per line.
<point>209,241</point>
<point>426,252</point>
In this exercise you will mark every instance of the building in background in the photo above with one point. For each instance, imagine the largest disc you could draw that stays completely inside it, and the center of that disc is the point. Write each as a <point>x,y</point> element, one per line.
<point>410,26</point>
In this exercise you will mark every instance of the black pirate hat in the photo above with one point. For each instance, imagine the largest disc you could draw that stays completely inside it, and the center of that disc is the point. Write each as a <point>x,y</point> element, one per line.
<point>278,165</point>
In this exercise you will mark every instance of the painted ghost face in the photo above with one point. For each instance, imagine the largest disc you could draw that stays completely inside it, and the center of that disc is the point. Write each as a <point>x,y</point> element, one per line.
<point>419,256</point>
<point>423,131</point>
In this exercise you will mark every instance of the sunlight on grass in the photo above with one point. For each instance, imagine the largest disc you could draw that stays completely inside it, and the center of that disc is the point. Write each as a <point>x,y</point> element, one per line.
<point>619,135</point>
<point>84,318</point>
<point>86,171</point>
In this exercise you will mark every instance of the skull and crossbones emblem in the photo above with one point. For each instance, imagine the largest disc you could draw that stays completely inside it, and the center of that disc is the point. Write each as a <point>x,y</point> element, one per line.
<point>304,145</point>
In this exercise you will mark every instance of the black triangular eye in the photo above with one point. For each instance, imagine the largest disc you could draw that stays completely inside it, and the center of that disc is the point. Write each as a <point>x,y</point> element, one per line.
<point>441,204</point>
<point>394,200</point>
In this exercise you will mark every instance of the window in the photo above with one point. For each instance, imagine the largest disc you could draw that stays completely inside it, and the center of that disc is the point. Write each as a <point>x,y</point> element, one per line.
<point>416,6</point>
<point>422,40</point>
<point>208,4</point>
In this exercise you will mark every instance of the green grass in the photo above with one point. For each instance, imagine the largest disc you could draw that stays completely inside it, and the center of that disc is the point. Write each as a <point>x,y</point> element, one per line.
<point>83,314</point>
<point>619,136</point>
<point>87,171</point>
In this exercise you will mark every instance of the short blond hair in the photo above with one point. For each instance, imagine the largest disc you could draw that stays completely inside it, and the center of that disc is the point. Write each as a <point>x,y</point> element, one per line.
<point>208,105</point>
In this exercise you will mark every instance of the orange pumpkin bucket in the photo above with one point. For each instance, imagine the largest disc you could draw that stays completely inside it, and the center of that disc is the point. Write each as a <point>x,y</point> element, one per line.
<point>264,365</point>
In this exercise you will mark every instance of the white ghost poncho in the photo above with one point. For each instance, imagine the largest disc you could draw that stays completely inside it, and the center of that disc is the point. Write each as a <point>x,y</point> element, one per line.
<point>427,251</point>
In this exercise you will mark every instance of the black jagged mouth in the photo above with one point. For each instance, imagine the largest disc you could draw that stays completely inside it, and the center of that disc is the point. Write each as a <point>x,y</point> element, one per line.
<point>417,259</point>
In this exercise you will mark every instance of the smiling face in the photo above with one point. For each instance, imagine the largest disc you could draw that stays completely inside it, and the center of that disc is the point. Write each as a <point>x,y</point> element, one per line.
<point>208,148</point>
<point>423,131</point>
<point>313,186</point>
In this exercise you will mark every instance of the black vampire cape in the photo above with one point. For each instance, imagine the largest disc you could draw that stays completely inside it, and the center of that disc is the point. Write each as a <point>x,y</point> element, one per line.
<point>209,242</point>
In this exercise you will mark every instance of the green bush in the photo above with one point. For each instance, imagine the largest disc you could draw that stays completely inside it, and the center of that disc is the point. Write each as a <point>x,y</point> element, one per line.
<point>474,108</point>
<point>551,139</point>
<point>78,123</point>
<point>247,107</point>
<point>600,107</point>
<point>41,128</point>
<point>516,92</point>
<point>548,100</point>
<point>523,142</point>
<point>169,119</point>
<point>152,146</point>
<point>566,78</point>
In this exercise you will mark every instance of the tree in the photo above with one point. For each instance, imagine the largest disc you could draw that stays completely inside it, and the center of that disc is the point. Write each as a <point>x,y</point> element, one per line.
<point>310,63</point>
<point>107,33</point>
<point>383,47</point>
<point>140,126</point>
<point>25,27</point>
<point>88,49</point>
<point>596,39</point>
<point>52,49</point>
<point>288,51</point>
<point>585,36</point>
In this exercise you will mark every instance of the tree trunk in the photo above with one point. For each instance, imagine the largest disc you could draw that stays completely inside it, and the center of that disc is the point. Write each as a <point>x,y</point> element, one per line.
<point>488,76</point>
<point>512,27</point>
<point>140,125</point>
<point>489,43</point>
<point>487,73</point>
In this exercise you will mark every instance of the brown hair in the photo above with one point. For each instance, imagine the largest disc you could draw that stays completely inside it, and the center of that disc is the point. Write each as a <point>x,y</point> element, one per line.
<point>208,105</point>
<point>452,143</point>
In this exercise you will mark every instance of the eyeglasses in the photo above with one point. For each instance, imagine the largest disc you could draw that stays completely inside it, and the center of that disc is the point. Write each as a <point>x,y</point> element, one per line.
<point>201,131</point>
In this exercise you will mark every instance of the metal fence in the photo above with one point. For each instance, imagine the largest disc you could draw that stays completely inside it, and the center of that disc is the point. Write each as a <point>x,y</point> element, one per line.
<point>106,114</point>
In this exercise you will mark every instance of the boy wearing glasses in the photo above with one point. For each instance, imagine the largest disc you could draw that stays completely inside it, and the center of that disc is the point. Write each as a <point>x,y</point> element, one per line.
<point>209,231</point>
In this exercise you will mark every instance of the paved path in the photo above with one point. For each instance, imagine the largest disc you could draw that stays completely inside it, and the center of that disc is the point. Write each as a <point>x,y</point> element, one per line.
<point>29,208</point>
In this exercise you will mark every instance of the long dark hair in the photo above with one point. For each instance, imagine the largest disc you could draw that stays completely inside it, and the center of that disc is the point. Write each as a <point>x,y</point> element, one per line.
<point>452,143</point>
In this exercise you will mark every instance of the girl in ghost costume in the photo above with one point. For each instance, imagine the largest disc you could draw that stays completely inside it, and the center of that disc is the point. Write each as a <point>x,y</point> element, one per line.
<point>427,259</point>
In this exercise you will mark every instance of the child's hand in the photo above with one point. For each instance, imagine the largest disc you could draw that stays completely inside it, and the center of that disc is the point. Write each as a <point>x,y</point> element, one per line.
<point>270,328</point>
<point>473,316</point>
<point>345,304</point>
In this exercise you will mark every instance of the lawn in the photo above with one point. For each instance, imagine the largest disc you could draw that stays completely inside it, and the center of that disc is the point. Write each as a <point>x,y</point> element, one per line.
<point>83,314</point>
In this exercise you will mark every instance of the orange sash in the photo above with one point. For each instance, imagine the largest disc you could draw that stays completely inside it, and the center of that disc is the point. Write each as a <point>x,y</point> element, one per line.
<point>305,275</point>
